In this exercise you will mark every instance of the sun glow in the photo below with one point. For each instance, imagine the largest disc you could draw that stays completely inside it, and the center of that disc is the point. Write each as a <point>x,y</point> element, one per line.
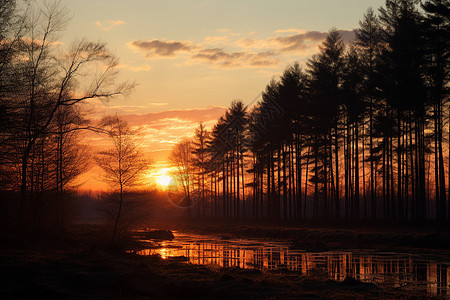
<point>163,180</point>
<point>162,177</point>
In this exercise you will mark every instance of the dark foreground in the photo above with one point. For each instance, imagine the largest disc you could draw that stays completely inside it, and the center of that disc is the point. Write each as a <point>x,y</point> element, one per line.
<point>77,265</point>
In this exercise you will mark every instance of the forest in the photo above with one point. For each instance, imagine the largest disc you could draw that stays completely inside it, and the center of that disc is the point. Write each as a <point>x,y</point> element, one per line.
<point>44,85</point>
<point>359,133</point>
<point>334,183</point>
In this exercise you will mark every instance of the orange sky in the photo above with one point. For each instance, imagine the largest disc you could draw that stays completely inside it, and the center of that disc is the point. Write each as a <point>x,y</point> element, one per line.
<point>158,132</point>
<point>192,58</point>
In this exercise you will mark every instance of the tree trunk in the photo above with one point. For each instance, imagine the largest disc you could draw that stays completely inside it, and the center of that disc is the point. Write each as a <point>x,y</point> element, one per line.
<point>118,213</point>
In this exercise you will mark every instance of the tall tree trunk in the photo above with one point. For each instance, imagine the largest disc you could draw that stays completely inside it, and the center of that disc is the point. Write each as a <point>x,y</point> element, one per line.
<point>119,212</point>
<point>238,197</point>
<point>365,208</point>
<point>436,165</point>
<point>306,181</point>
<point>399,166</point>
<point>285,200</point>
<point>316,180</point>
<point>373,199</point>
<point>298,162</point>
<point>442,193</point>
<point>336,162</point>
<point>357,204</point>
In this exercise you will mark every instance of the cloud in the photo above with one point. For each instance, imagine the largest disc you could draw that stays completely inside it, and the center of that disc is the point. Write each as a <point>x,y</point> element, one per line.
<point>161,130</point>
<point>160,48</point>
<point>296,30</point>
<point>347,35</point>
<point>299,42</point>
<point>195,115</point>
<point>157,133</point>
<point>158,103</point>
<point>214,40</point>
<point>109,24</point>
<point>100,108</point>
<point>252,43</point>
<point>304,40</point>
<point>134,68</point>
<point>221,58</point>
<point>214,56</point>
<point>246,52</point>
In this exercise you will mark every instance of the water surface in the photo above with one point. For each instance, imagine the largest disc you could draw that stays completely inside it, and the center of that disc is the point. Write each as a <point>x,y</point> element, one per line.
<point>415,272</point>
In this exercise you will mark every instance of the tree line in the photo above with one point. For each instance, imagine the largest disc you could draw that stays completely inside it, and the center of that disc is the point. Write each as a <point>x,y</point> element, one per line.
<point>43,84</point>
<point>361,132</point>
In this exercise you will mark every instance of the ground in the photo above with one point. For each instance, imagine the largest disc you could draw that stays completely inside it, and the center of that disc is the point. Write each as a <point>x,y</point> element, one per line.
<point>81,265</point>
<point>312,237</point>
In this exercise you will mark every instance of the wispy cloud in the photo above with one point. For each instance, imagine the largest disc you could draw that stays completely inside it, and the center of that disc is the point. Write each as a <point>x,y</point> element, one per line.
<point>134,68</point>
<point>306,39</point>
<point>160,48</point>
<point>221,58</point>
<point>109,24</point>
<point>296,30</point>
<point>158,103</point>
<point>226,51</point>
<point>192,115</point>
<point>216,39</point>
<point>300,41</point>
<point>163,129</point>
<point>101,109</point>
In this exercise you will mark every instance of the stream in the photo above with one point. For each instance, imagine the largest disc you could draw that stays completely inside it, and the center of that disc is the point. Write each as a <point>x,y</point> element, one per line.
<point>415,272</point>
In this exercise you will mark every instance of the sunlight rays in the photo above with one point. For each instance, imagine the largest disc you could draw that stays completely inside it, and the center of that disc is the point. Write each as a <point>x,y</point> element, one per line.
<point>161,177</point>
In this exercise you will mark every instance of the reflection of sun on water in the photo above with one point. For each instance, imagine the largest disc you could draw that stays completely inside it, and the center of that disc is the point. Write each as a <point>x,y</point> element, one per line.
<point>163,251</point>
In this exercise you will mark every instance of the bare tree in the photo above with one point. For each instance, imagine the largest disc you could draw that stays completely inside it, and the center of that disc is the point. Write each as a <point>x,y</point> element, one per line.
<point>123,164</point>
<point>51,81</point>
<point>181,159</point>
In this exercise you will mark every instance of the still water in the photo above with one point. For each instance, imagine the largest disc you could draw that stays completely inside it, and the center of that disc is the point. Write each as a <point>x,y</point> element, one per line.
<point>420,272</point>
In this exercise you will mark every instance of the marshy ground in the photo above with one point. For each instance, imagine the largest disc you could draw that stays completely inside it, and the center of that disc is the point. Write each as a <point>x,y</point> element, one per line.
<point>81,265</point>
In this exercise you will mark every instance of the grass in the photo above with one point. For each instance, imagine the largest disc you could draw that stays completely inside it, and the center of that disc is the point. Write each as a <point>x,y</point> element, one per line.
<point>82,265</point>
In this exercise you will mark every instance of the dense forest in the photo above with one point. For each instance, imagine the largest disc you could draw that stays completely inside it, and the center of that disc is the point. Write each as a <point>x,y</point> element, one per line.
<point>333,183</point>
<point>360,133</point>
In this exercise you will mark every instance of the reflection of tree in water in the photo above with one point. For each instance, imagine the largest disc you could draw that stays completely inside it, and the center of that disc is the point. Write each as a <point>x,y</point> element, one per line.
<point>395,270</point>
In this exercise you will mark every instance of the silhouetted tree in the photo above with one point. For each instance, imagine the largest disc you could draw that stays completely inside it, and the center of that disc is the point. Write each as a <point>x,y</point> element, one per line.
<point>437,45</point>
<point>181,159</point>
<point>123,164</point>
<point>199,144</point>
<point>375,105</point>
<point>369,44</point>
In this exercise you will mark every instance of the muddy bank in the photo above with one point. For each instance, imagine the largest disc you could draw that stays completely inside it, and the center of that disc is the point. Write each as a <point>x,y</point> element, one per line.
<point>323,239</point>
<point>80,267</point>
<point>98,274</point>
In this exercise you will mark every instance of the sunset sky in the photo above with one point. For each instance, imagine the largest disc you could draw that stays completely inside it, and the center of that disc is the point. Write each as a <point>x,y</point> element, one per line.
<point>192,58</point>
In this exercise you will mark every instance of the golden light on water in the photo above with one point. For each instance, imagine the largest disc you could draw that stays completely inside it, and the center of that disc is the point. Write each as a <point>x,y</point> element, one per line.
<point>163,251</point>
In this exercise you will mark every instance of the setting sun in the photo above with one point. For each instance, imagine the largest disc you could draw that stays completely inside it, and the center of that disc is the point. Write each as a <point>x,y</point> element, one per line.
<point>161,176</point>
<point>163,180</point>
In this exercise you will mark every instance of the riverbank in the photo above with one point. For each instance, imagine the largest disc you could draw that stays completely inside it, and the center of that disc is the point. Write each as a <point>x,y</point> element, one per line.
<point>414,238</point>
<point>80,265</point>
